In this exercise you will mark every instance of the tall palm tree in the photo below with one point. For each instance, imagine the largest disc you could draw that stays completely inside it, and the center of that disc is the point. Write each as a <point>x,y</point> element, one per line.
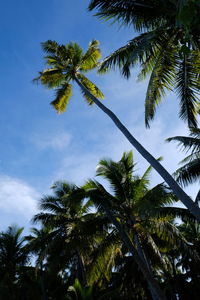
<point>140,211</point>
<point>13,258</point>
<point>38,242</point>
<point>189,172</point>
<point>167,50</point>
<point>74,229</point>
<point>68,63</point>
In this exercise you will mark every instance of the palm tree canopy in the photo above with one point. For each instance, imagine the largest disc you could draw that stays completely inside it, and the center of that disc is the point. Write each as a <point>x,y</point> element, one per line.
<point>189,172</point>
<point>139,209</point>
<point>168,51</point>
<point>64,63</point>
<point>146,14</point>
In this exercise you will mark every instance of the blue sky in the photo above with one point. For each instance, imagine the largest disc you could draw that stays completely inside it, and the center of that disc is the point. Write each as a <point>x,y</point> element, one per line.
<point>40,146</point>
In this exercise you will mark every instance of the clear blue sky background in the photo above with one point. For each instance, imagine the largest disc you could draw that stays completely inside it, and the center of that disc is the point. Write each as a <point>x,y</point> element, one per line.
<point>38,146</point>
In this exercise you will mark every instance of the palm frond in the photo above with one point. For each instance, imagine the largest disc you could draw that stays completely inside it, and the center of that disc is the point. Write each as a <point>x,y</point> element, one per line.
<point>186,142</point>
<point>63,94</point>
<point>174,212</point>
<point>188,173</point>
<point>161,79</point>
<point>140,14</point>
<point>91,57</point>
<point>50,47</point>
<point>93,89</point>
<point>137,50</point>
<point>155,198</point>
<point>51,78</point>
<point>187,88</point>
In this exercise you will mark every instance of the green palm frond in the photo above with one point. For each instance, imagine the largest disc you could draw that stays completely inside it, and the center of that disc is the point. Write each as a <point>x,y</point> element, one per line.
<point>188,173</point>
<point>51,78</point>
<point>169,233</point>
<point>173,213</point>
<point>67,63</point>
<point>103,257</point>
<point>119,174</point>
<point>145,177</point>
<point>63,94</point>
<point>50,47</point>
<point>187,89</point>
<point>186,142</point>
<point>137,50</point>
<point>155,198</point>
<point>91,57</point>
<point>92,88</point>
<point>140,14</point>
<point>161,79</point>
<point>74,53</point>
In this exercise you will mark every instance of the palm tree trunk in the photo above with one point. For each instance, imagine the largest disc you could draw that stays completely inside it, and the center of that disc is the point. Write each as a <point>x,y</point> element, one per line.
<point>144,258</point>
<point>42,278</point>
<point>155,290</point>
<point>182,196</point>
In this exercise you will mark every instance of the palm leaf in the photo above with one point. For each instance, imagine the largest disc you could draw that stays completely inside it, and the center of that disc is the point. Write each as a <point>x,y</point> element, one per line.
<point>91,57</point>
<point>140,14</point>
<point>50,47</point>
<point>189,173</point>
<point>186,142</point>
<point>137,50</point>
<point>63,95</point>
<point>161,79</point>
<point>51,78</point>
<point>94,90</point>
<point>187,88</point>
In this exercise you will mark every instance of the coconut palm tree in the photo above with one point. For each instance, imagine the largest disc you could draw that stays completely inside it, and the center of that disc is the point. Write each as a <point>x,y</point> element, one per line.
<point>141,211</point>
<point>189,172</point>
<point>38,243</point>
<point>13,258</point>
<point>168,50</point>
<point>69,63</point>
<point>75,231</point>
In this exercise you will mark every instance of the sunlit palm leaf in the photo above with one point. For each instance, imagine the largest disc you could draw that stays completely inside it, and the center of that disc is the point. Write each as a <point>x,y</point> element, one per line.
<point>94,90</point>
<point>91,57</point>
<point>51,78</point>
<point>63,95</point>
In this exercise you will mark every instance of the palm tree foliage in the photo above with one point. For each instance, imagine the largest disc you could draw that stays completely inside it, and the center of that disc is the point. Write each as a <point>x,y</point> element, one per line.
<point>189,172</point>
<point>79,253</point>
<point>65,62</point>
<point>68,63</point>
<point>142,211</point>
<point>167,50</point>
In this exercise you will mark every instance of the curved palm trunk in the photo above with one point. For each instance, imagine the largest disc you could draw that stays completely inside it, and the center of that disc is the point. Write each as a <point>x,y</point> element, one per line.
<point>182,196</point>
<point>144,258</point>
<point>155,290</point>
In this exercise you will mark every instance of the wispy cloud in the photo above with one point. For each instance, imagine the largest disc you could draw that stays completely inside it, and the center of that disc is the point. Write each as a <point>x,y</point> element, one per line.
<point>82,162</point>
<point>53,140</point>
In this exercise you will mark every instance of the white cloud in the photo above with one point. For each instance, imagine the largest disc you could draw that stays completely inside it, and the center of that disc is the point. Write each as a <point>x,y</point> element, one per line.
<point>17,198</point>
<point>81,163</point>
<point>55,140</point>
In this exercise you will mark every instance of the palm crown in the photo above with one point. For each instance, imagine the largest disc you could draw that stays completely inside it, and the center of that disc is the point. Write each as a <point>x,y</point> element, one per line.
<point>168,50</point>
<point>66,62</point>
